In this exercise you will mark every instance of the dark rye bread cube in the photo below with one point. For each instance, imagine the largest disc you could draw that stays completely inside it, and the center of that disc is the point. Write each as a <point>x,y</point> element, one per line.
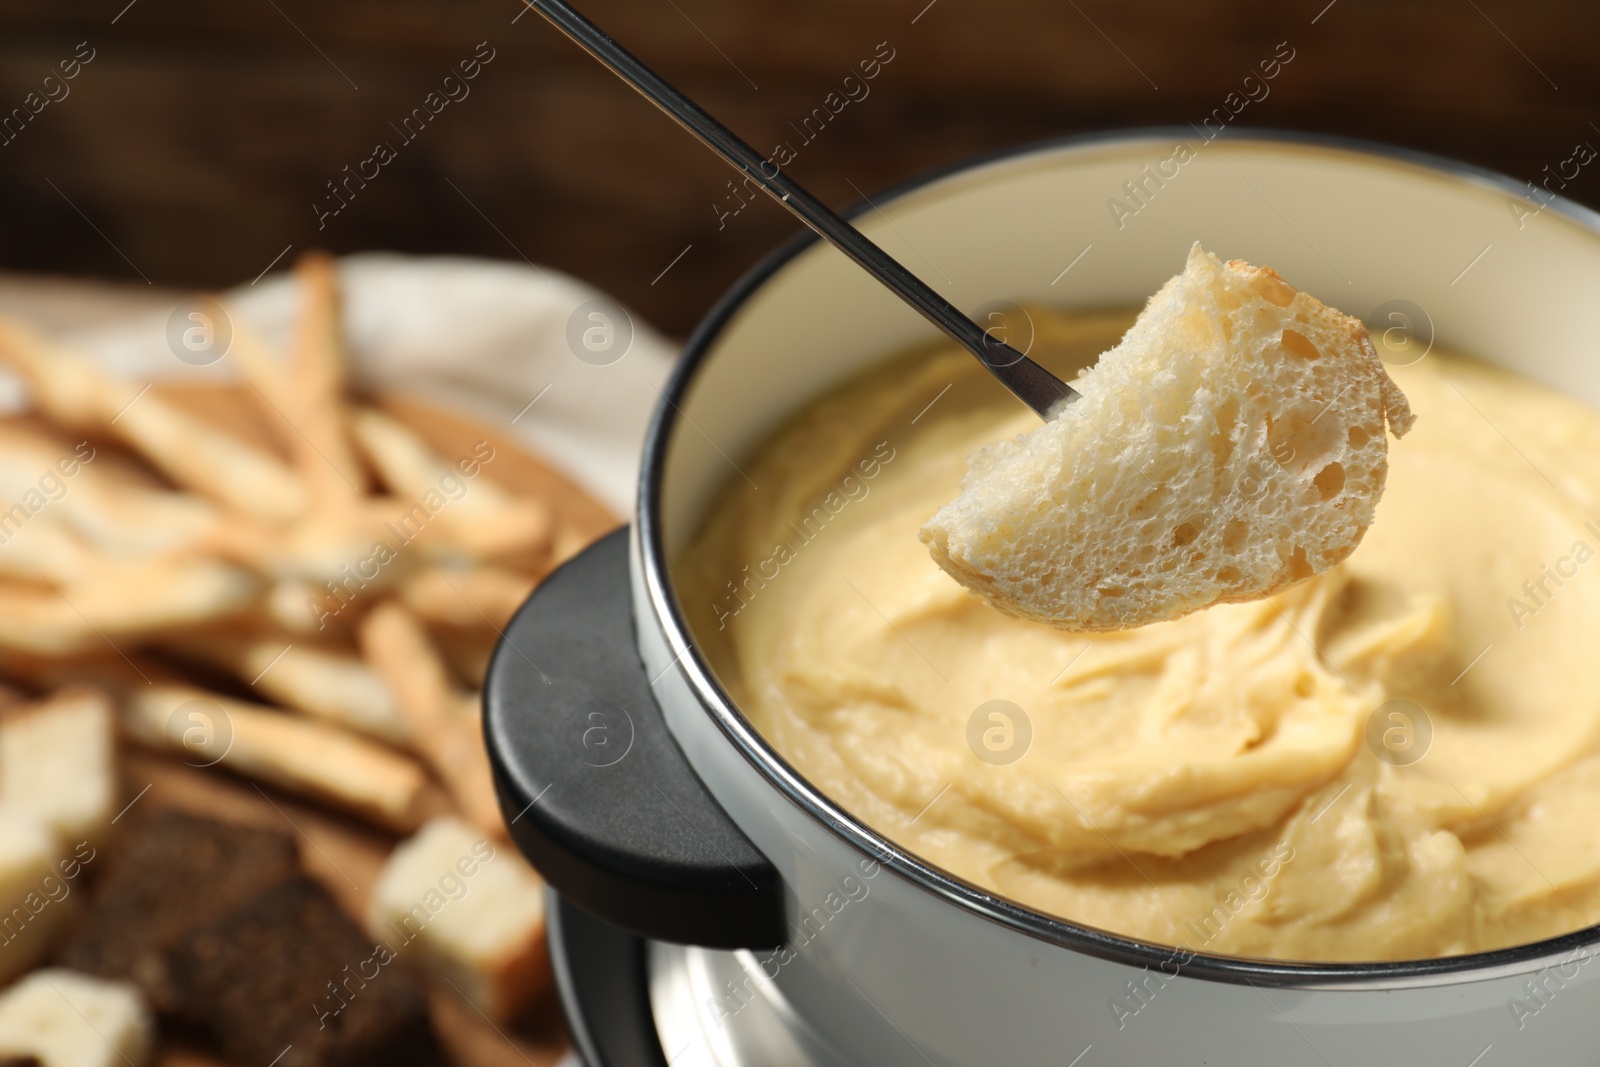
<point>171,873</point>
<point>290,975</point>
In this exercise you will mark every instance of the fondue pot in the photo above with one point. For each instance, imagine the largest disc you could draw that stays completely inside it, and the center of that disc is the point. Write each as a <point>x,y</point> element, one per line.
<point>762,922</point>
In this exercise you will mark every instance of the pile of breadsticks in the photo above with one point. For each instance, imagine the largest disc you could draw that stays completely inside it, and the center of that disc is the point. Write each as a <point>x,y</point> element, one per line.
<point>276,577</point>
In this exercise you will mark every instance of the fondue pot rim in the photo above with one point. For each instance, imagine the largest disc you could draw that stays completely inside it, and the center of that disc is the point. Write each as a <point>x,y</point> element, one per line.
<point>794,787</point>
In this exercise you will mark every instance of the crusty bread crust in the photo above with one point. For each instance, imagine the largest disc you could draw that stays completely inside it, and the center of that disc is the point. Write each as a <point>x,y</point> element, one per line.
<point>1230,446</point>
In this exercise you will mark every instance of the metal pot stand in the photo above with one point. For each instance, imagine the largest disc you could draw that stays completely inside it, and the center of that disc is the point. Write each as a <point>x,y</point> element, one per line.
<point>600,975</point>
<point>636,1003</point>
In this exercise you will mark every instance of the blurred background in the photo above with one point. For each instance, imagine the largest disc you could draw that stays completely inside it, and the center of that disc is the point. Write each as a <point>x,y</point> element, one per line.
<point>200,143</point>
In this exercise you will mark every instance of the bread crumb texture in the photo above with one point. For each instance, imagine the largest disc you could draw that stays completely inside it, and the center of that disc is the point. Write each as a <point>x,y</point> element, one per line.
<point>1231,445</point>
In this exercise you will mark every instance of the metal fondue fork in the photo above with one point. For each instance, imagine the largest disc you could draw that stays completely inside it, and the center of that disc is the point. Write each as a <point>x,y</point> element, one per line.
<point>1029,382</point>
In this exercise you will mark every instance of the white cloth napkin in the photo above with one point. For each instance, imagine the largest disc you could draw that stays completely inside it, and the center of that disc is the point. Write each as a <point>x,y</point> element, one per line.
<point>482,336</point>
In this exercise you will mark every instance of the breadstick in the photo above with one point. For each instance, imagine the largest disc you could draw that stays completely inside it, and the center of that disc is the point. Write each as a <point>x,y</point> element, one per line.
<point>74,391</point>
<point>131,521</point>
<point>267,375</point>
<point>327,545</point>
<point>112,601</point>
<point>301,395</point>
<point>42,551</point>
<point>397,647</point>
<point>27,456</point>
<point>318,681</point>
<point>60,483</point>
<point>479,515</point>
<point>295,754</point>
<point>292,605</point>
<point>467,599</point>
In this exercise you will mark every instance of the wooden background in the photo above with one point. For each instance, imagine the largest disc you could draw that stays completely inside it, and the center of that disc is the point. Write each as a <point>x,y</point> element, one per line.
<point>191,149</point>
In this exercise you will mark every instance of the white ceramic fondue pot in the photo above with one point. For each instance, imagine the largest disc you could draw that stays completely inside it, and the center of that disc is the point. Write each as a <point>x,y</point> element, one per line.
<point>647,799</point>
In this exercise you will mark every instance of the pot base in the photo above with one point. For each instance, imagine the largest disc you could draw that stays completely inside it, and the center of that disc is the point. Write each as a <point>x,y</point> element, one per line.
<point>717,1009</point>
<point>630,1002</point>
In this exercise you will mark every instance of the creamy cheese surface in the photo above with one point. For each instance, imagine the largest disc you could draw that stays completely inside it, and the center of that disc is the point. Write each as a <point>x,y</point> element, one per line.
<point>1399,758</point>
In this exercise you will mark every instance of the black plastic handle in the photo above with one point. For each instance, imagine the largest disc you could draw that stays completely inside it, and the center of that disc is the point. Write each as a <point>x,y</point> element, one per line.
<point>596,792</point>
